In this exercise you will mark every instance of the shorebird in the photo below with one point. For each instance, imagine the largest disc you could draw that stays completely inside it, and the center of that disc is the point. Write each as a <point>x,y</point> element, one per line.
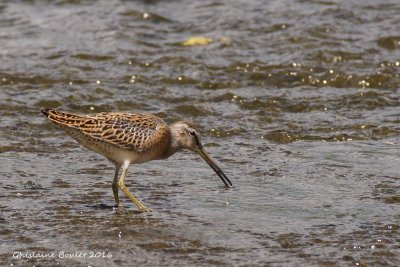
<point>131,138</point>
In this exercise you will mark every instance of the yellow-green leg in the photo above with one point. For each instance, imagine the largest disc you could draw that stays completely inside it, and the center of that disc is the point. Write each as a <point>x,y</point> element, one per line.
<point>115,184</point>
<point>121,183</point>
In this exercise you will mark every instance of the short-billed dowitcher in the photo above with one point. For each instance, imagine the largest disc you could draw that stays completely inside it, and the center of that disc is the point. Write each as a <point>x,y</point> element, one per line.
<point>131,138</point>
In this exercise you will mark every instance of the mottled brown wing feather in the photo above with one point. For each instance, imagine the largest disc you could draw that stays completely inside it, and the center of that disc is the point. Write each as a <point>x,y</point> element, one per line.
<point>131,131</point>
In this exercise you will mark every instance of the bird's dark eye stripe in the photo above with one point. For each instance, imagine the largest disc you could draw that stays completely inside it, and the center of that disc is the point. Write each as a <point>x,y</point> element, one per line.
<point>197,141</point>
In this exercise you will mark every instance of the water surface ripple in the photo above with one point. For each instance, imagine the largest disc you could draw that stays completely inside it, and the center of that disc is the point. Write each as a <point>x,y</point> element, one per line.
<point>297,100</point>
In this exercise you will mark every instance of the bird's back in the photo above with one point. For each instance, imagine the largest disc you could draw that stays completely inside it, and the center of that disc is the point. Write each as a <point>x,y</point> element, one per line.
<point>117,136</point>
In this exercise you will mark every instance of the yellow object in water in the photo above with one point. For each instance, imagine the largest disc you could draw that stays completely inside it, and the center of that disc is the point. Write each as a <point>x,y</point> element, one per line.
<point>197,41</point>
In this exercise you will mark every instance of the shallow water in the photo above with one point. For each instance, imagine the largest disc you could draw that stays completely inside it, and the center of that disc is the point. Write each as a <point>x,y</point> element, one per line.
<point>298,101</point>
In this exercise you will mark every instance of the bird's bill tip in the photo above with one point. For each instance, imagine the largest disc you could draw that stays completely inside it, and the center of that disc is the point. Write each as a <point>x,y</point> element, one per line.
<point>215,167</point>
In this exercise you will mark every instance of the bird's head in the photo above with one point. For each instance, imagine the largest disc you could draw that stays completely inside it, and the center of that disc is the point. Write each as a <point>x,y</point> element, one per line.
<point>184,136</point>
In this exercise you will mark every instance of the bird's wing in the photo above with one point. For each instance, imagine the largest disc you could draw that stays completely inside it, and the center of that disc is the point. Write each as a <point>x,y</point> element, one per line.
<point>132,131</point>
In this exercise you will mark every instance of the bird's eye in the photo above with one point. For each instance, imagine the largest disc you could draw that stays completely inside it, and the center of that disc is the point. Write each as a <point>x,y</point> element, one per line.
<point>192,133</point>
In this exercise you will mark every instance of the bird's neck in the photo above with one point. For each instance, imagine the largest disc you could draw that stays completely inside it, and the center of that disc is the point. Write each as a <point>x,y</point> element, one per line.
<point>174,144</point>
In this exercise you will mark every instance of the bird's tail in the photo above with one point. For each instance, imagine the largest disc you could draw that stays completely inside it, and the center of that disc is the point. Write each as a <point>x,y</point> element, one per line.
<point>63,118</point>
<point>46,111</point>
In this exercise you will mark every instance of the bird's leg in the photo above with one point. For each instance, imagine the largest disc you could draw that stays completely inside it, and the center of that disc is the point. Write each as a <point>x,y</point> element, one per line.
<point>121,183</point>
<point>115,184</point>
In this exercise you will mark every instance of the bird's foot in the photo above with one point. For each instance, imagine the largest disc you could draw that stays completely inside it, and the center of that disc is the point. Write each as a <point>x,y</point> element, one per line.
<point>144,209</point>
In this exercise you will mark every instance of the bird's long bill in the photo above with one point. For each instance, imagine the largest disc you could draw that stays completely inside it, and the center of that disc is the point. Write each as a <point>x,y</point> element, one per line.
<point>214,166</point>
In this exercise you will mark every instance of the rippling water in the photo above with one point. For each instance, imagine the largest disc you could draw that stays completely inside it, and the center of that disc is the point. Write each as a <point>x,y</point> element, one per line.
<point>297,100</point>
